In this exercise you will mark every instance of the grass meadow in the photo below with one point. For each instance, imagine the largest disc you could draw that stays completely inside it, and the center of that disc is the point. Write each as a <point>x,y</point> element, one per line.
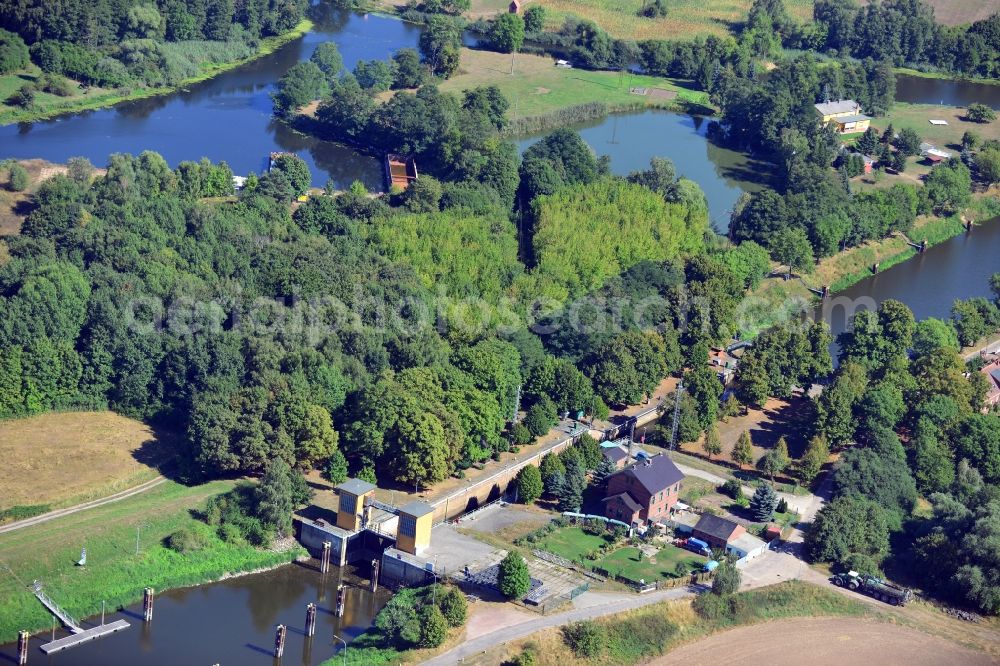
<point>537,87</point>
<point>114,572</point>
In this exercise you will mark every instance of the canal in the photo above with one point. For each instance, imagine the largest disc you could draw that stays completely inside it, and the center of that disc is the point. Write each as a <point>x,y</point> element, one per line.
<point>227,117</point>
<point>929,283</point>
<point>951,92</point>
<point>229,622</point>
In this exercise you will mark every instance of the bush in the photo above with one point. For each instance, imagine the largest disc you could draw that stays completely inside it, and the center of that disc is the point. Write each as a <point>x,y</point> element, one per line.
<point>18,178</point>
<point>733,488</point>
<point>541,417</point>
<point>521,435</point>
<point>514,579</point>
<point>585,639</point>
<point>529,484</point>
<point>13,52</point>
<point>980,113</point>
<point>727,580</point>
<point>628,641</point>
<point>433,626</point>
<point>453,605</point>
<point>230,533</point>
<point>187,540</point>
<point>24,97</point>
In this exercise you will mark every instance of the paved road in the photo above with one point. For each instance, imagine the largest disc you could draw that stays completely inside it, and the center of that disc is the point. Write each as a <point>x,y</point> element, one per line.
<point>28,522</point>
<point>588,612</point>
<point>805,505</point>
<point>988,348</point>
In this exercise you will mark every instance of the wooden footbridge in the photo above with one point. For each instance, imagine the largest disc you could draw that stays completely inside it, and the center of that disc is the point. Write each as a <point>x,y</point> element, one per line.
<point>78,634</point>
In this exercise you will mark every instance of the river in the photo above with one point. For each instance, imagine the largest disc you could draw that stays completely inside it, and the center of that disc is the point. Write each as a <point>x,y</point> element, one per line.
<point>224,118</point>
<point>952,92</point>
<point>929,283</point>
<point>229,622</point>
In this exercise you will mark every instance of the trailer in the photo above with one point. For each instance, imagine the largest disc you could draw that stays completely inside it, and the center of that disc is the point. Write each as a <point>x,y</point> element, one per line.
<point>874,587</point>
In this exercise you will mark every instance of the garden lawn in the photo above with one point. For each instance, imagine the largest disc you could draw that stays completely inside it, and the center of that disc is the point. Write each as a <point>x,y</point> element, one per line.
<point>114,573</point>
<point>571,542</point>
<point>626,562</point>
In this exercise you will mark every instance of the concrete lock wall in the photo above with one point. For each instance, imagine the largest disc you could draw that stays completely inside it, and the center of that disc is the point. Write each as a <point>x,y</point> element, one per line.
<point>403,571</point>
<point>312,537</point>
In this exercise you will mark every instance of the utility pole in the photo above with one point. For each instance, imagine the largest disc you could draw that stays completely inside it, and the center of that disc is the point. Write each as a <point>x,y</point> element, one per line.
<point>517,404</point>
<point>345,647</point>
<point>677,416</point>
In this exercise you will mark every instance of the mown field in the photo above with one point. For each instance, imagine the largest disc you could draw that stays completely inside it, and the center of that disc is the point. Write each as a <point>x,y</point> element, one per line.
<point>63,458</point>
<point>685,18</point>
<point>538,87</point>
<point>918,116</point>
<point>114,572</point>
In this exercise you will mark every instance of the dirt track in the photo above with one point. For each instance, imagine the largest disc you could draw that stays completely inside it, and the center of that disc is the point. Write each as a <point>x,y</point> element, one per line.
<point>817,641</point>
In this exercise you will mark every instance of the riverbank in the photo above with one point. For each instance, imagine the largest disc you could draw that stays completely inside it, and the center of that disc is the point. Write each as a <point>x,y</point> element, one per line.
<point>51,106</point>
<point>943,76</point>
<point>777,300</point>
<point>126,552</point>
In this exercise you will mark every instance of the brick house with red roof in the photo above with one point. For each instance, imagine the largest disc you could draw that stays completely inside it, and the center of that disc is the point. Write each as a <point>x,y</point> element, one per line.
<point>645,491</point>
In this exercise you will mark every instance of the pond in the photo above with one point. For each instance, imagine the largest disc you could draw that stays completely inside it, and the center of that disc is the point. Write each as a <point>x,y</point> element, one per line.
<point>630,140</point>
<point>951,92</point>
<point>229,622</point>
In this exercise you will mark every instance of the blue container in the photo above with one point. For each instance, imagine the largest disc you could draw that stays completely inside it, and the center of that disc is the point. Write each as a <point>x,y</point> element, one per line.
<point>711,565</point>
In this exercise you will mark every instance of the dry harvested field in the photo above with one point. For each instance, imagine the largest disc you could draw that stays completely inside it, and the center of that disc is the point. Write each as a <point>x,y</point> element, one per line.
<point>15,206</point>
<point>820,641</point>
<point>69,457</point>
<point>958,12</point>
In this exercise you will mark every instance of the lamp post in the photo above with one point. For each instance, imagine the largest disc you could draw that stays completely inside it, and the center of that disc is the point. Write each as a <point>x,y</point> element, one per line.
<point>345,647</point>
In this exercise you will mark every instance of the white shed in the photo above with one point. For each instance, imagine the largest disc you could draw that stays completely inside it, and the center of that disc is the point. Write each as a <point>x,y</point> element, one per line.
<point>746,547</point>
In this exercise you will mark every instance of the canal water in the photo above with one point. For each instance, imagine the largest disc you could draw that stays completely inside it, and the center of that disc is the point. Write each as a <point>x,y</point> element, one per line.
<point>951,92</point>
<point>229,622</point>
<point>631,140</point>
<point>930,282</point>
<point>227,117</point>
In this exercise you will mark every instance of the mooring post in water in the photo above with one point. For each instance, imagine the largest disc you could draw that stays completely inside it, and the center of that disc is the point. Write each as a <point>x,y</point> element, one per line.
<point>279,641</point>
<point>147,604</point>
<point>341,593</point>
<point>311,620</point>
<point>324,561</point>
<point>22,647</point>
<point>374,575</point>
